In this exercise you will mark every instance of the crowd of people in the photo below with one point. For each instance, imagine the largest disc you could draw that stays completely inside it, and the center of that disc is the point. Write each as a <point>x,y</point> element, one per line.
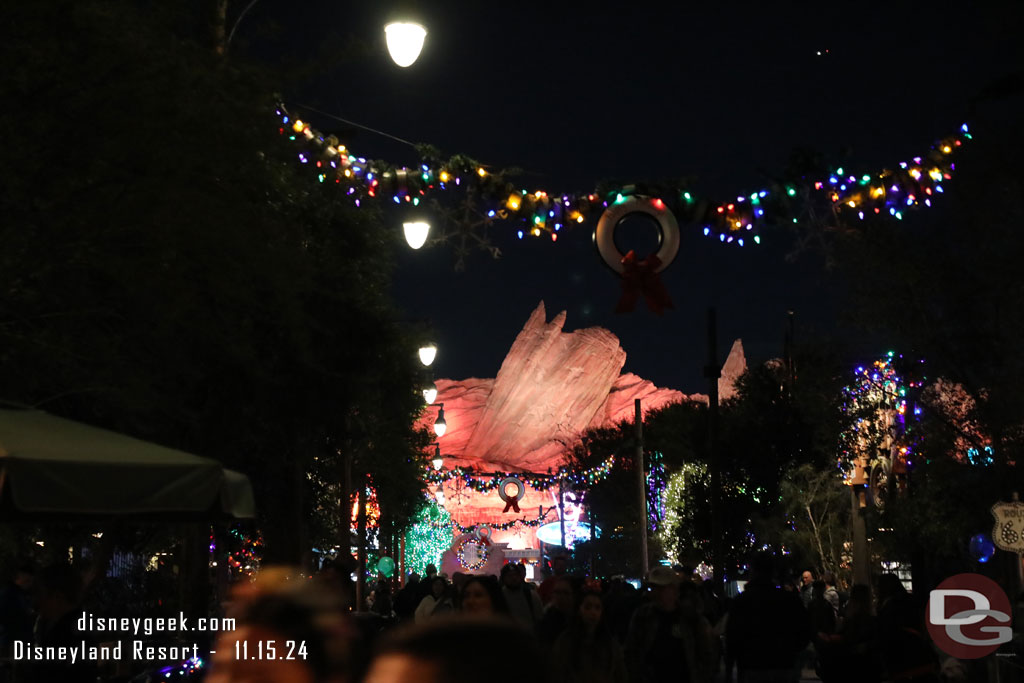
<point>569,629</point>
<point>467,628</point>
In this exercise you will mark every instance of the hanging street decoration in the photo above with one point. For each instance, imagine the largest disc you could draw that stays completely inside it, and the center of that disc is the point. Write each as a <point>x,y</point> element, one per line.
<point>472,554</point>
<point>513,500</point>
<point>639,276</point>
<point>838,199</point>
<point>540,520</point>
<point>485,483</point>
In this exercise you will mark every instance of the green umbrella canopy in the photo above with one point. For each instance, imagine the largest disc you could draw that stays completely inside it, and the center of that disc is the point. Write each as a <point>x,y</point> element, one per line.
<point>53,466</point>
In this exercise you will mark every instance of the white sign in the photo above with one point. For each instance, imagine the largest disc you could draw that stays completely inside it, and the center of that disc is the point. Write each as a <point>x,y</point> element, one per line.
<point>526,554</point>
<point>1008,533</point>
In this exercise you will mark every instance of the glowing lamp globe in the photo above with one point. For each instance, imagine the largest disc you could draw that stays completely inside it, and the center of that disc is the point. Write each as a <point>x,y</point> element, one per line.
<point>440,425</point>
<point>430,393</point>
<point>439,494</point>
<point>427,354</point>
<point>405,41</point>
<point>437,461</point>
<point>416,233</point>
<point>981,548</point>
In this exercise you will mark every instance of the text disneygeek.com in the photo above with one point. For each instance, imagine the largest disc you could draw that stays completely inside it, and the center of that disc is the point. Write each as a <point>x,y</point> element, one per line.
<point>114,628</point>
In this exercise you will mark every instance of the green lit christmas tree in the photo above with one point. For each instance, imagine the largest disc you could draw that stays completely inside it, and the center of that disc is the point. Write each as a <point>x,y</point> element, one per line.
<point>428,538</point>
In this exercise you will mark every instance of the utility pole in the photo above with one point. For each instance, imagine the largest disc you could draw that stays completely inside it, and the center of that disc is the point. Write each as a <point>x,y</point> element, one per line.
<point>713,372</point>
<point>561,510</point>
<point>787,350</point>
<point>861,554</point>
<point>361,571</point>
<point>641,483</point>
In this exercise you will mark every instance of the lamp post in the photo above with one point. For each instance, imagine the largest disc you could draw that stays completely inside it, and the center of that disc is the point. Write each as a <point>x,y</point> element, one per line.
<point>416,233</point>
<point>405,42</point>
<point>428,352</point>
<point>440,424</point>
<point>437,461</point>
<point>404,38</point>
<point>430,393</point>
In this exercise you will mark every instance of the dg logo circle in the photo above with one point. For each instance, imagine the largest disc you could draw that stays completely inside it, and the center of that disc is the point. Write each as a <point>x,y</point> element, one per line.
<point>968,616</point>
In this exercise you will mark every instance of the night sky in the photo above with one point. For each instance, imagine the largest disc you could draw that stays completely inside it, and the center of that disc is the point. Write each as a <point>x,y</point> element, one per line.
<point>722,93</point>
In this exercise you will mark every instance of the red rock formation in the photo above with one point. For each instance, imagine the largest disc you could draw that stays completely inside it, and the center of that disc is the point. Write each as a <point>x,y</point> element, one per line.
<point>552,387</point>
<point>735,365</point>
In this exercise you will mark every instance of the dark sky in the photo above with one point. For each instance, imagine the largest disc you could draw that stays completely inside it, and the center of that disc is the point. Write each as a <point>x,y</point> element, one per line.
<point>722,92</point>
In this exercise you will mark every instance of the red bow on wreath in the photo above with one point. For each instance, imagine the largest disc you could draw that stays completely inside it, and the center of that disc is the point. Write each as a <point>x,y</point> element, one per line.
<point>641,277</point>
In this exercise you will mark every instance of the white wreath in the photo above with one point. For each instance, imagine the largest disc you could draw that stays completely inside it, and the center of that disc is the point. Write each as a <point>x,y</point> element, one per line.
<point>668,231</point>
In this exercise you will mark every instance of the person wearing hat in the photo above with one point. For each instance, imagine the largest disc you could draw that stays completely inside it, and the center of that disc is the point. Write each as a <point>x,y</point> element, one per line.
<point>667,637</point>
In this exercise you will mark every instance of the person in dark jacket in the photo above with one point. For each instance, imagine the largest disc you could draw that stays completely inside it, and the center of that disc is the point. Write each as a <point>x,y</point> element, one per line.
<point>853,650</point>
<point>16,616</point>
<point>586,652</point>
<point>407,599</point>
<point>767,628</point>
<point>823,626</point>
<point>58,598</point>
<point>668,638</point>
<point>907,654</point>
<point>559,611</point>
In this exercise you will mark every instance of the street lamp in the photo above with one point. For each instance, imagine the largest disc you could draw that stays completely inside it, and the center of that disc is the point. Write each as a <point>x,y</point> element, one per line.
<point>428,352</point>
<point>437,461</point>
<point>405,41</point>
<point>416,233</point>
<point>439,494</point>
<point>440,424</point>
<point>430,393</point>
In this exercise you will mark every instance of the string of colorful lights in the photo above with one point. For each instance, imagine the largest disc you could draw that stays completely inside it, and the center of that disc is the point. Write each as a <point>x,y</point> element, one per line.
<point>657,481</point>
<point>540,520</point>
<point>451,524</point>
<point>188,668</point>
<point>840,194</point>
<point>245,560</point>
<point>485,483</point>
<point>482,550</point>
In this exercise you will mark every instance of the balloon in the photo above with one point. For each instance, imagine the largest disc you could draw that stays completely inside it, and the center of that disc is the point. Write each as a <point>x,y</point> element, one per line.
<point>386,566</point>
<point>981,548</point>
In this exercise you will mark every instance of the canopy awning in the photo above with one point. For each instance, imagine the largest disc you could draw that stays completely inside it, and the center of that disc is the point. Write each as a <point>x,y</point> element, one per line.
<point>50,466</point>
